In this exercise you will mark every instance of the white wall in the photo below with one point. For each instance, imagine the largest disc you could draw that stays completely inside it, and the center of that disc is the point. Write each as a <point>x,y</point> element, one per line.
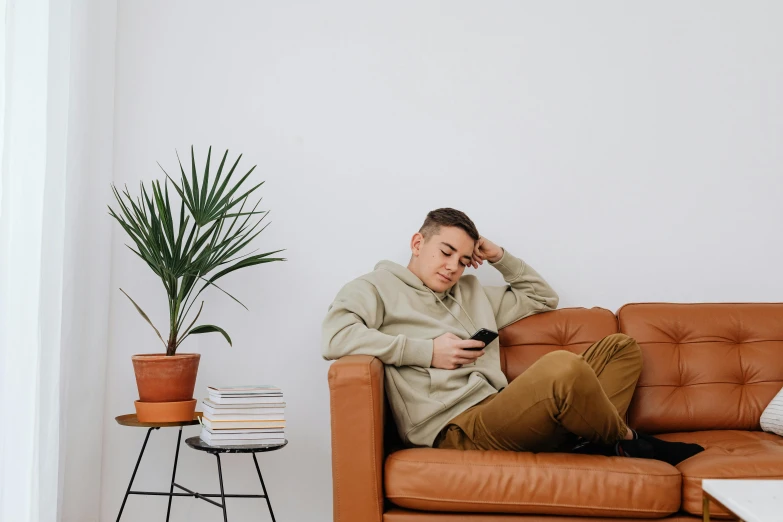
<point>629,152</point>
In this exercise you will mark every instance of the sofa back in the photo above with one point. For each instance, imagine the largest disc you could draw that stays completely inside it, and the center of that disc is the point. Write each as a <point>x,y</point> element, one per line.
<point>706,366</point>
<point>572,329</point>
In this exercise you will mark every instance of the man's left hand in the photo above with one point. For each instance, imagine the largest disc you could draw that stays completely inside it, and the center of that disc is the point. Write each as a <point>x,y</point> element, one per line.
<point>485,249</point>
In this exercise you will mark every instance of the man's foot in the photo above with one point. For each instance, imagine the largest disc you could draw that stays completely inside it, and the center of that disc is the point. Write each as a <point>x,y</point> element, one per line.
<point>642,447</point>
<point>635,449</point>
<point>671,452</point>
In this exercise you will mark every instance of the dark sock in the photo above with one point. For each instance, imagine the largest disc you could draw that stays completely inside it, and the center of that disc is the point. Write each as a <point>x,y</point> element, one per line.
<point>636,448</point>
<point>671,452</point>
<point>642,446</point>
<point>594,448</point>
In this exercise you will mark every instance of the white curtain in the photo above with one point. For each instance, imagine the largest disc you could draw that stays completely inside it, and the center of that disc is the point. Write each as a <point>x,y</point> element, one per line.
<point>56,149</point>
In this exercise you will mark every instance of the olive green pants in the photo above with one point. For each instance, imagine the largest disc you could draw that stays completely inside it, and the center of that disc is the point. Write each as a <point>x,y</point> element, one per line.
<point>561,397</point>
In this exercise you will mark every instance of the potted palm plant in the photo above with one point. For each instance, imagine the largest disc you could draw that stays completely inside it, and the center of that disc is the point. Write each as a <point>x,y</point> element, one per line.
<point>215,225</point>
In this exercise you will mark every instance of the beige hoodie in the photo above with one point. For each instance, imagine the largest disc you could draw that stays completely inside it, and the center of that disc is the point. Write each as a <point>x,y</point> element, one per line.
<point>390,314</point>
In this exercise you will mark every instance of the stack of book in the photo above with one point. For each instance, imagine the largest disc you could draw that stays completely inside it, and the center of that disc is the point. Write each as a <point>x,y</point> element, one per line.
<point>243,415</point>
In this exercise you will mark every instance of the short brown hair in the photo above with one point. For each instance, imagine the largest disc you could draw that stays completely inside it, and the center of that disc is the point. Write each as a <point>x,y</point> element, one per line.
<point>447,217</point>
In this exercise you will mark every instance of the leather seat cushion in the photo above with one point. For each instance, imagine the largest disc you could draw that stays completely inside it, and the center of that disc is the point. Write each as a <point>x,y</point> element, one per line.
<point>403,515</point>
<point>531,483</point>
<point>727,454</point>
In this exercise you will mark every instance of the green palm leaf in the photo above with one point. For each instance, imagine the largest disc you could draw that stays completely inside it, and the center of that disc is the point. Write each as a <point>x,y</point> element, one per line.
<point>248,261</point>
<point>191,249</point>
<point>144,315</point>
<point>210,328</point>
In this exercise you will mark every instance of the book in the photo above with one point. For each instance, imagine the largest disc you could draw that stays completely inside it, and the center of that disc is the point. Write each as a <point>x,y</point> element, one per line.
<point>211,408</point>
<point>245,400</point>
<point>242,430</point>
<point>214,394</point>
<point>229,442</point>
<point>238,391</point>
<point>245,417</point>
<point>246,424</point>
<point>212,404</point>
<point>242,435</point>
<point>245,389</point>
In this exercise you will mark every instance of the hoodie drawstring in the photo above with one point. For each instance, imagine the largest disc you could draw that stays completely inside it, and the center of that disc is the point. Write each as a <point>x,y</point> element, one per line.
<point>452,314</point>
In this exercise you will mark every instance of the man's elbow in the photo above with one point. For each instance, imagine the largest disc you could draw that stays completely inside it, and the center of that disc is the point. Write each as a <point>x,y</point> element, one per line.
<point>329,348</point>
<point>546,303</point>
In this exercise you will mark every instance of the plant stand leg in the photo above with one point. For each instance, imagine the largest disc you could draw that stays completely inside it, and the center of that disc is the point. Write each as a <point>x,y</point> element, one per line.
<point>141,453</point>
<point>174,473</point>
<point>266,495</point>
<point>222,493</point>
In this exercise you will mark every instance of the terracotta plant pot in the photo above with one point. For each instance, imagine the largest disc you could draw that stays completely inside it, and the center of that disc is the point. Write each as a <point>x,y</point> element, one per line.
<point>166,379</point>
<point>177,411</point>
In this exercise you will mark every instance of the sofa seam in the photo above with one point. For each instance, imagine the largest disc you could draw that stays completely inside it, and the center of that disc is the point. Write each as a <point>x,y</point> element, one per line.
<point>722,341</point>
<point>765,477</point>
<point>378,501</point>
<point>335,470</point>
<point>678,474</point>
<point>707,384</point>
<point>700,303</point>
<point>609,508</point>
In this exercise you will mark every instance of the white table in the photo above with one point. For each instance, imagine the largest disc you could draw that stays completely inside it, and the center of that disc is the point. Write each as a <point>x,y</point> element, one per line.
<point>749,500</point>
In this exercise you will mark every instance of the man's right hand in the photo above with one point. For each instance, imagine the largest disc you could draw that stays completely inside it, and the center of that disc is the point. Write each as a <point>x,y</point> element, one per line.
<point>449,351</point>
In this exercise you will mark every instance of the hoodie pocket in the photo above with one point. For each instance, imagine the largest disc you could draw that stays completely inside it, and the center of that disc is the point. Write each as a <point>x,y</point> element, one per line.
<point>410,394</point>
<point>442,382</point>
<point>450,387</point>
<point>437,379</point>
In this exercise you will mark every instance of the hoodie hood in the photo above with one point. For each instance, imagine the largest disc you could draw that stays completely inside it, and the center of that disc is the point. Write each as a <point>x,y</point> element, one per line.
<point>409,278</point>
<point>412,280</point>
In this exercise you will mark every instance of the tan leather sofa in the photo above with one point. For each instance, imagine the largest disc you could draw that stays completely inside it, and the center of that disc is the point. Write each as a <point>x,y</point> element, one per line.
<point>709,372</point>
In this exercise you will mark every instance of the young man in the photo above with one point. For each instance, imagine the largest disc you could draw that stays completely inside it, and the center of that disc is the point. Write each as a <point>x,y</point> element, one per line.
<point>448,391</point>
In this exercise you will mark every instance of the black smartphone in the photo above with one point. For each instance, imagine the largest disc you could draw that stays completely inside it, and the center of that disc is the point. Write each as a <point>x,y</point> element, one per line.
<point>485,336</point>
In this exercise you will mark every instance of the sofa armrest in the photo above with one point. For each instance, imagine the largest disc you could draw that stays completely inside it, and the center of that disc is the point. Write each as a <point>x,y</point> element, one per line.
<point>356,396</point>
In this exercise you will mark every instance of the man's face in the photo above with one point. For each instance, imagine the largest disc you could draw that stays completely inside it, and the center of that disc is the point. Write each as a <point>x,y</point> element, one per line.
<point>440,261</point>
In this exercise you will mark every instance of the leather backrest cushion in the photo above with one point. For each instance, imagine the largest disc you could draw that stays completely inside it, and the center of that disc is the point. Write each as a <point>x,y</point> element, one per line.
<point>706,366</point>
<point>573,329</point>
